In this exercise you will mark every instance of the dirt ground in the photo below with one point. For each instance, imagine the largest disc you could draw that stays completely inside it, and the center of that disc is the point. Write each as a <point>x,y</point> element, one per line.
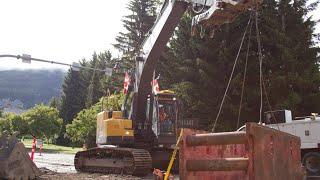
<point>60,167</point>
<point>74,176</point>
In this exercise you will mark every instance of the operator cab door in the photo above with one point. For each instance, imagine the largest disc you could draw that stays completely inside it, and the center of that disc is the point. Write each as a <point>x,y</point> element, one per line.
<point>165,117</point>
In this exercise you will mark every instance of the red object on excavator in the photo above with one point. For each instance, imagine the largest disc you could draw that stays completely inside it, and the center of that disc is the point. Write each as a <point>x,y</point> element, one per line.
<point>259,153</point>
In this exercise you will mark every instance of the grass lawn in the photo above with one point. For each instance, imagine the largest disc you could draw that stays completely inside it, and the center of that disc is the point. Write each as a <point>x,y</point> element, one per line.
<point>51,148</point>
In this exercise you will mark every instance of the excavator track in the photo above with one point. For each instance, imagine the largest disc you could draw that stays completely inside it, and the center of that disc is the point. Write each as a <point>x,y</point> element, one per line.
<point>114,160</point>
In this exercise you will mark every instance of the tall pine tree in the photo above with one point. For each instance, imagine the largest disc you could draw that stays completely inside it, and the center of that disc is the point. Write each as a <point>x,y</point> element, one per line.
<point>137,24</point>
<point>142,14</point>
<point>83,88</point>
<point>199,69</point>
<point>74,89</point>
<point>97,79</point>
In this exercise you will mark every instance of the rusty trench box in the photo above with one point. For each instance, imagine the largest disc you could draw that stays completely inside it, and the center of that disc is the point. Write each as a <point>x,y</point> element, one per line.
<point>258,153</point>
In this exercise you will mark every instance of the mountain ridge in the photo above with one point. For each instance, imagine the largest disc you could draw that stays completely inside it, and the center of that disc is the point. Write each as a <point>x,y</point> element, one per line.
<point>31,86</point>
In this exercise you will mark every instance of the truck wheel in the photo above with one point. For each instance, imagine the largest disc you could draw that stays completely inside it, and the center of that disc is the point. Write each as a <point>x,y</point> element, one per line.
<point>311,161</point>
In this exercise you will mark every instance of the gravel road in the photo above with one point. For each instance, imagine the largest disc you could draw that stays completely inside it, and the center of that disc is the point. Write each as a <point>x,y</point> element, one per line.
<point>61,163</point>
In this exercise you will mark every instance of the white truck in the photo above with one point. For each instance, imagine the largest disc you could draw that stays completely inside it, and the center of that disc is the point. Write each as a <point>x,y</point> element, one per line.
<point>307,128</point>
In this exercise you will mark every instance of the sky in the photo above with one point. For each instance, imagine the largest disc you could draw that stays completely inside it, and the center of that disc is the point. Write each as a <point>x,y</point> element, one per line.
<point>61,30</point>
<point>58,30</point>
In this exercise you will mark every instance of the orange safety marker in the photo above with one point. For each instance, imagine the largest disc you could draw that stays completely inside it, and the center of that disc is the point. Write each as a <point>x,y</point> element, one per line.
<point>158,174</point>
<point>41,146</point>
<point>33,148</point>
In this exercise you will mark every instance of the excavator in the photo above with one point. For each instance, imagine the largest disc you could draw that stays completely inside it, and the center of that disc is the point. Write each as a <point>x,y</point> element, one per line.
<point>134,144</point>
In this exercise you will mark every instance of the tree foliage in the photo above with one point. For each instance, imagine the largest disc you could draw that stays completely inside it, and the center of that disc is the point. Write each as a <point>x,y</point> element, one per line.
<point>5,125</point>
<point>83,88</point>
<point>137,24</point>
<point>141,17</point>
<point>55,102</point>
<point>18,124</point>
<point>82,129</point>
<point>43,122</point>
<point>14,123</point>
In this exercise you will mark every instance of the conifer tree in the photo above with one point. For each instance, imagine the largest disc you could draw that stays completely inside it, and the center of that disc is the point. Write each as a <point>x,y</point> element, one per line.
<point>137,24</point>
<point>83,88</point>
<point>97,79</point>
<point>74,90</point>
<point>72,101</point>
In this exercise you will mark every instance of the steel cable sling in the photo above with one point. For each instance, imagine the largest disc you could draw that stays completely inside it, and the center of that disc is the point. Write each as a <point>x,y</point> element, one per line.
<point>233,68</point>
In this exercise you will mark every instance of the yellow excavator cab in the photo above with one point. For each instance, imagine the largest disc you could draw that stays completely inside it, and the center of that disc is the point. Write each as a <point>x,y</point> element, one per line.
<point>113,128</point>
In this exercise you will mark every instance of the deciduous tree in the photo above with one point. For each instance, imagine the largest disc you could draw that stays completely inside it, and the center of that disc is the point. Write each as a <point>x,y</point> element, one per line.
<point>43,122</point>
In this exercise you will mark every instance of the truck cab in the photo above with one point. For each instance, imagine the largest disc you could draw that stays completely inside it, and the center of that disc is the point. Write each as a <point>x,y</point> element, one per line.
<point>306,128</point>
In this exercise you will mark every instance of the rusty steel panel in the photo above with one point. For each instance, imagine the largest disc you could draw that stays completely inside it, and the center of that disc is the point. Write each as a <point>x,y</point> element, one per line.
<point>222,164</point>
<point>216,138</point>
<point>208,153</point>
<point>275,154</point>
<point>267,154</point>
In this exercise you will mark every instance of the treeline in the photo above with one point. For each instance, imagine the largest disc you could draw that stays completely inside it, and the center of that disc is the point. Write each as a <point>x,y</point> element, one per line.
<point>198,69</point>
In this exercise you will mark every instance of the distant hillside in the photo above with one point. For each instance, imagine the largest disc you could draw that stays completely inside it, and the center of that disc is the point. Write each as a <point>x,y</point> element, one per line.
<point>31,86</point>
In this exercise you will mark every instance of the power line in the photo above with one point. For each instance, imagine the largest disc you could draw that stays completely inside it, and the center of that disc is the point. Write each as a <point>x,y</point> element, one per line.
<point>25,57</point>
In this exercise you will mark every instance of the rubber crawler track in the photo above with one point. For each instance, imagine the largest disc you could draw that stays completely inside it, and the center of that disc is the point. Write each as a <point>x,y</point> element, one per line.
<point>137,162</point>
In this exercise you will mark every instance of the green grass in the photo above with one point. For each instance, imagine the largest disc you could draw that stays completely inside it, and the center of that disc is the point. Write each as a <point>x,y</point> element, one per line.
<point>51,148</point>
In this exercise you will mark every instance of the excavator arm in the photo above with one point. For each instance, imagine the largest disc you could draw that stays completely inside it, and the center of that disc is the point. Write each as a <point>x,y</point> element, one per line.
<point>147,59</point>
<point>214,14</point>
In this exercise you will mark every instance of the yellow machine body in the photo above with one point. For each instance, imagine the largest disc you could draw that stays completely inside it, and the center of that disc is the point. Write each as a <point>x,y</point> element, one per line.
<point>113,129</point>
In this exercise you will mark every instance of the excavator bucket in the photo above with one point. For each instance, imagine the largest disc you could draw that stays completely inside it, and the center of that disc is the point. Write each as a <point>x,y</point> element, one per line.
<point>15,162</point>
<point>223,12</point>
